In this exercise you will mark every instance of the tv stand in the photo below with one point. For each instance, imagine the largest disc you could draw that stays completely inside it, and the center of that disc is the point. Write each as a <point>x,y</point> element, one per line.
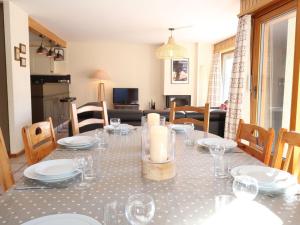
<point>131,106</point>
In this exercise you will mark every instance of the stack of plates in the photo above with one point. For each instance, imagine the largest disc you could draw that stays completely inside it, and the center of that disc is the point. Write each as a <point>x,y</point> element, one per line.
<point>78,142</point>
<point>227,143</point>
<point>178,127</point>
<point>59,219</point>
<point>52,171</point>
<point>124,128</point>
<point>270,180</point>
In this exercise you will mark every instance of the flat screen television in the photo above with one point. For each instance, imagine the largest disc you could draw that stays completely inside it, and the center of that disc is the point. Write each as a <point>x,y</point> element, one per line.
<point>125,96</point>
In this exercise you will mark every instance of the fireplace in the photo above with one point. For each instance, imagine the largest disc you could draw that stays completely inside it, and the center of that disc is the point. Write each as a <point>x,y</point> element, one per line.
<point>181,100</point>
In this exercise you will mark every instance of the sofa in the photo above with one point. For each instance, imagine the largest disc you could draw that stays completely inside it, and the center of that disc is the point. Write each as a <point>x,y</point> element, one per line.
<point>133,117</point>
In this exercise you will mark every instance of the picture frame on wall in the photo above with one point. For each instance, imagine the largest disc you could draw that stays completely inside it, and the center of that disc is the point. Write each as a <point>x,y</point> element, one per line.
<point>22,48</point>
<point>22,61</point>
<point>180,71</point>
<point>17,53</point>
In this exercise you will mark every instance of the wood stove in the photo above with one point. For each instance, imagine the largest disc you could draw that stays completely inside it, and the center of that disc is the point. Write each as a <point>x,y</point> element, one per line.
<point>181,100</point>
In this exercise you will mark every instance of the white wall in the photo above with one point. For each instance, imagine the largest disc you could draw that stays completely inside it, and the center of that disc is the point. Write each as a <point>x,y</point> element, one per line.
<point>135,65</point>
<point>128,65</point>
<point>18,78</point>
<point>204,59</point>
<point>200,56</point>
<point>41,64</point>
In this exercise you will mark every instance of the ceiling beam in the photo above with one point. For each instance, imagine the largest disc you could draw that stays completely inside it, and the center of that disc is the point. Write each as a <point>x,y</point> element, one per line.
<point>38,28</point>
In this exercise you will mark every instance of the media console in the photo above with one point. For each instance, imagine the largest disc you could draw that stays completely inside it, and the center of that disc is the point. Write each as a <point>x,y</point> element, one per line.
<point>130,106</point>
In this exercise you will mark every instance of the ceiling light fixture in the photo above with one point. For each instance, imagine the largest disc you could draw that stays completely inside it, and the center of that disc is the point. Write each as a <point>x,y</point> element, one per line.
<point>59,54</point>
<point>171,50</point>
<point>51,53</point>
<point>42,50</point>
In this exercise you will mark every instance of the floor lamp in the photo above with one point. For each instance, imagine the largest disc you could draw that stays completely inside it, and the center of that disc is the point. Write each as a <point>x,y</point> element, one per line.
<point>100,75</point>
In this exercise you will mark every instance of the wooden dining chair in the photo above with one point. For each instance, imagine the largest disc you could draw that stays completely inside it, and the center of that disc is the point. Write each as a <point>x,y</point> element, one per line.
<point>255,141</point>
<point>6,176</point>
<point>289,160</point>
<point>202,110</point>
<point>102,110</point>
<point>39,141</point>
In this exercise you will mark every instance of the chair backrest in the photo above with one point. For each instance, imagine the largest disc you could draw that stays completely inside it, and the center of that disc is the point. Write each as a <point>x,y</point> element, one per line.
<point>102,110</point>
<point>292,157</point>
<point>202,110</point>
<point>258,140</point>
<point>39,140</point>
<point>6,176</point>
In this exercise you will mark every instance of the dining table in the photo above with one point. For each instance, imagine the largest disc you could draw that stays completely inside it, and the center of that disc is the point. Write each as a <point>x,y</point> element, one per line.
<point>188,198</point>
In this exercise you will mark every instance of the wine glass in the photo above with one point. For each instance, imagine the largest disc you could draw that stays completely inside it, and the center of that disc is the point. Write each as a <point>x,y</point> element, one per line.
<point>245,187</point>
<point>115,122</point>
<point>139,209</point>
<point>81,163</point>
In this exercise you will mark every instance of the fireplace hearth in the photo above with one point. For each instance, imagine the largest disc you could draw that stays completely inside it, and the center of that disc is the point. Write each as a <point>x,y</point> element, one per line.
<point>181,100</point>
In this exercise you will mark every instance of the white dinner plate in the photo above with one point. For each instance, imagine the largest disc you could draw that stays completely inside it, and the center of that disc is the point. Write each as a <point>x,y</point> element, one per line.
<point>55,168</point>
<point>227,143</point>
<point>178,127</point>
<point>30,173</point>
<point>77,141</point>
<point>269,179</point>
<point>63,219</point>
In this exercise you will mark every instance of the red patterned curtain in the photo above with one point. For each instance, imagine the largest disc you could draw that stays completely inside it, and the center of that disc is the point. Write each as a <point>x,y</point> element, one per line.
<point>215,82</point>
<point>239,94</point>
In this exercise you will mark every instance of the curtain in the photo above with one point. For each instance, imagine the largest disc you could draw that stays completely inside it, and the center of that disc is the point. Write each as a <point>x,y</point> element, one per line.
<point>239,94</point>
<point>215,82</point>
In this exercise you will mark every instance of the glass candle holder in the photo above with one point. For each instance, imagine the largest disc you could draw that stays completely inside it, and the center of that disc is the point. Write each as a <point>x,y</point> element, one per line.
<point>144,121</point>
<point>158,144</point>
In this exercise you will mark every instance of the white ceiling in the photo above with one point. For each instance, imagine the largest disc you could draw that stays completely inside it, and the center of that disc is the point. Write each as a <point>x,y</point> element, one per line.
<point>136,20</point>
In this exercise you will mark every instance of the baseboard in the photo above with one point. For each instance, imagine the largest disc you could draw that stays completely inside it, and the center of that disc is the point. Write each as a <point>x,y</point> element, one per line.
<point>15,155</point>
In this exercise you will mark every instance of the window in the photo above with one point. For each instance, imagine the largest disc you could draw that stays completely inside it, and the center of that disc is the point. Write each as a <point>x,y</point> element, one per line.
<point>273,57</point>
<point>226,70</point>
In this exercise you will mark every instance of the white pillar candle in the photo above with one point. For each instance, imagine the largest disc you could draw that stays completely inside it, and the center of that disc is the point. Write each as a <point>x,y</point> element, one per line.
<point>158,144</point>
<point>153,119</point>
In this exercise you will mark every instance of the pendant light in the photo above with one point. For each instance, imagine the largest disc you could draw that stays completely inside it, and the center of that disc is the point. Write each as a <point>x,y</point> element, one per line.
<point>42,50</point>
<point>51,53</point>
<point>171,50</point>
<point>59,54</point>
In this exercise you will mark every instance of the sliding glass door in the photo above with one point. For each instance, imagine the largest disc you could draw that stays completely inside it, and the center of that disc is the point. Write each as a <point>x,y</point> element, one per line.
<point>273,60</point>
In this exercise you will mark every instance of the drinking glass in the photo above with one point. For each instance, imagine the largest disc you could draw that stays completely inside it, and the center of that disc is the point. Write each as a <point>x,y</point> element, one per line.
<point>216,150</point>
<point>100,134</point>
<point>80,163</point>
<point>245,187</point>
<point>114,214</point>
<point>220,162</point>
<point>124,129</point>
<point>189,134</point>
<point>115,122</point>
<point>90,173</point>
<point>144,123</point>
<point>140,209</point>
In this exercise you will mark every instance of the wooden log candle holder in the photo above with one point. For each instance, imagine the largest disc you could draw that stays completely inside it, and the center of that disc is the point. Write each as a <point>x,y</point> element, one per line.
<point>158,171</point>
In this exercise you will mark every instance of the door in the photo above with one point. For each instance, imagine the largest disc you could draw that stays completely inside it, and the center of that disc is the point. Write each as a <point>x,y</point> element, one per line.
<point>272,68</point>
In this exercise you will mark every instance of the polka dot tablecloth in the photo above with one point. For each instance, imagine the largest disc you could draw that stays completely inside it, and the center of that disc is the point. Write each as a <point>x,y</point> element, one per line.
<point>189,198</point>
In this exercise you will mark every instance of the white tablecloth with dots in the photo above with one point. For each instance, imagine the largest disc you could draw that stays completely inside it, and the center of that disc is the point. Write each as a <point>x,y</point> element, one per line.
<point>189,198</point>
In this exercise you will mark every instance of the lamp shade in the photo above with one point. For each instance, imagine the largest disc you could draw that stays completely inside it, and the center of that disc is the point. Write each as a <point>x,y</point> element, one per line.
<point>100,75</point>
<point>171,50</point>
